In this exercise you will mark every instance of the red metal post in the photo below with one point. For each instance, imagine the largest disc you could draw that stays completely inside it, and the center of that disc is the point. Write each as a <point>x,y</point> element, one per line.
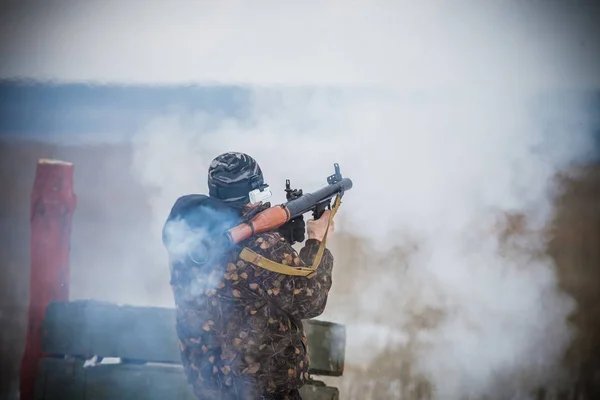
<point>52,206</point>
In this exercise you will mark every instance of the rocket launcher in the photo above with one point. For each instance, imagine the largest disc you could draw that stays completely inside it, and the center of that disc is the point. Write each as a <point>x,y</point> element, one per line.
<point>298,204</point>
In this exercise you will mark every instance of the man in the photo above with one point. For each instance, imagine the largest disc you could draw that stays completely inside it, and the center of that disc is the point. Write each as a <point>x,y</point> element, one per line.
<point>239,325</point>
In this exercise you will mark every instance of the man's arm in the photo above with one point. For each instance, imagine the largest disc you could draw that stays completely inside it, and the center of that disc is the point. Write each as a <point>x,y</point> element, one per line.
<point>299,296</point>
<point>310,294</point>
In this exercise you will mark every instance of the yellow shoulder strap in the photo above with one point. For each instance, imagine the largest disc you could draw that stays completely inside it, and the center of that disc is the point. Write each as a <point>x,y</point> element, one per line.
<point>270,265</point>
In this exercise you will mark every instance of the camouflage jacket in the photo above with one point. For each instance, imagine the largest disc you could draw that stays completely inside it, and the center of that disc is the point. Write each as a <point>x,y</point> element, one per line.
<point>239,325</point>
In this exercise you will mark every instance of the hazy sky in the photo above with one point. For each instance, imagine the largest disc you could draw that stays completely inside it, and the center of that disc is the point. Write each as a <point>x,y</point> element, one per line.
<point>350,42</point>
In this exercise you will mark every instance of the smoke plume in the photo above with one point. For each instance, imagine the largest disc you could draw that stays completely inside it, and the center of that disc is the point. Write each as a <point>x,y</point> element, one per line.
<point>441,273</point>
<point>438,184</point>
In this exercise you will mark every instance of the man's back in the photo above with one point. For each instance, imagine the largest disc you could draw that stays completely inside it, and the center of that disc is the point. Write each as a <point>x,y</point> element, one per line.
<point>239,325</point>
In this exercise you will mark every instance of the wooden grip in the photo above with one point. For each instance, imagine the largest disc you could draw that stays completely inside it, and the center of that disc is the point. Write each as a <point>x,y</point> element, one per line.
<point>268,220</point>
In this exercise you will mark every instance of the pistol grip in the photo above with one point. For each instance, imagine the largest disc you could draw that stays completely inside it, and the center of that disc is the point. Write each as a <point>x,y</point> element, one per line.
<point>319,210</point>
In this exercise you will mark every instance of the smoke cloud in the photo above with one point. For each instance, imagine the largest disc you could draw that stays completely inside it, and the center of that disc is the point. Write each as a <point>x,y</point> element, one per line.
<point>190,229</point>
<point>437,183</point>
<point>441,273</point>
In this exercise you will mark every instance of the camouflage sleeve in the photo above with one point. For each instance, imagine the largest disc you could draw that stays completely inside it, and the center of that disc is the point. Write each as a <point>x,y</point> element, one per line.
<point>311,293</point>
<point>299,296</point>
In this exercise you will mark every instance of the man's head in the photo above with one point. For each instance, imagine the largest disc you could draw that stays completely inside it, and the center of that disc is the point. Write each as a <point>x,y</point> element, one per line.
<point>233,176</point>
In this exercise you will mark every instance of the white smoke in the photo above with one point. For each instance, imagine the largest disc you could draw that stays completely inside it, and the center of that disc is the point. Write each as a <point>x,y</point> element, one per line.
<point>442,171</point>
<point>446,153</point>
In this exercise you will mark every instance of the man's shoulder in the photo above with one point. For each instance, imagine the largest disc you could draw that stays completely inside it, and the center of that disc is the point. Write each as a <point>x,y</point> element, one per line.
<point>191,204</point>
<point>186,202</point>
<point>195,225</point>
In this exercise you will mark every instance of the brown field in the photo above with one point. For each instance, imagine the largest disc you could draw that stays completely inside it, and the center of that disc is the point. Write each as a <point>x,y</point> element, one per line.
<point>110,251</point>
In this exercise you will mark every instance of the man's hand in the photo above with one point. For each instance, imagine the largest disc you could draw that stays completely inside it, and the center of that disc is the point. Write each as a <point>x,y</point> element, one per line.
<point>316,228</point>
<point>294,230</point>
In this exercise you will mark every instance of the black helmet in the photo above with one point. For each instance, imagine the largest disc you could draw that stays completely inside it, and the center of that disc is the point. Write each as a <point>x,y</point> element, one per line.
<point>232,176</point>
